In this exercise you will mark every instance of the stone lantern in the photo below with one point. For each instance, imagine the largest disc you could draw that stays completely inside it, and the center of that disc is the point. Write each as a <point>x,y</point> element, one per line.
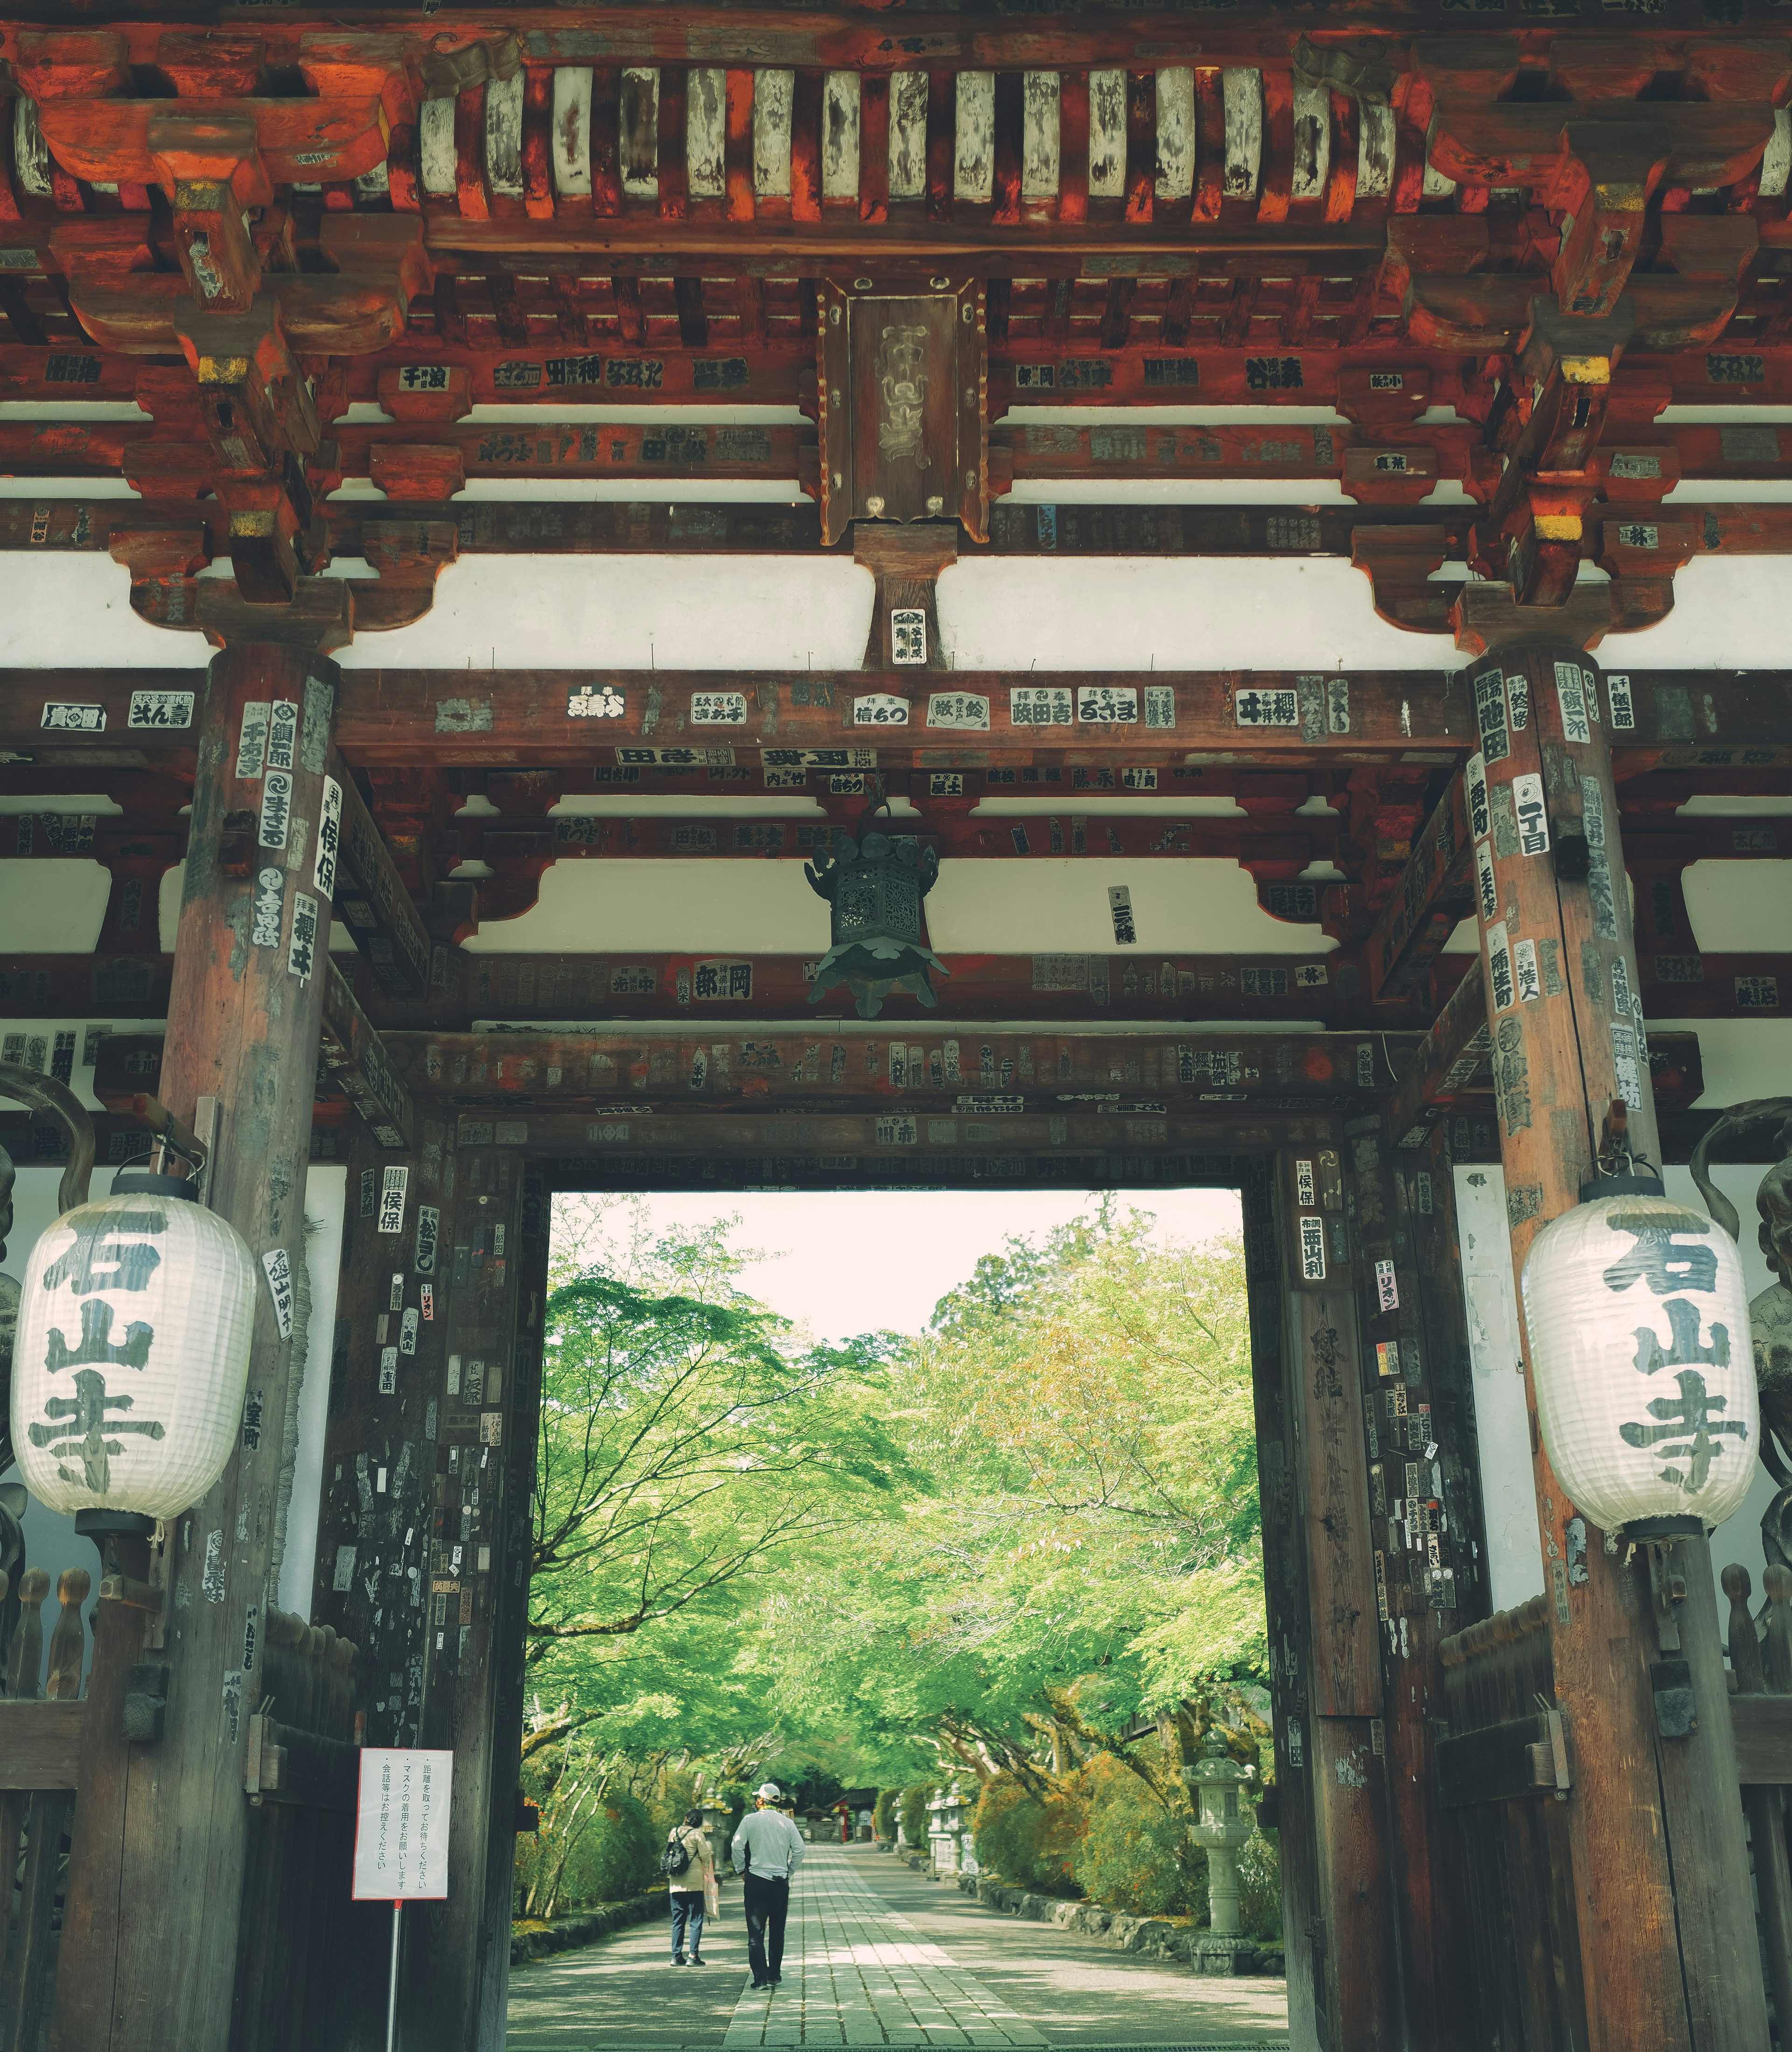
<point>1225,1824</point>
<point>944,1818</point>
<point>716,1825</point>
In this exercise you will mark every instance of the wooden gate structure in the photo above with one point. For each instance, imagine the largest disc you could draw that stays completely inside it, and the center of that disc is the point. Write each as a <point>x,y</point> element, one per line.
<point>1518,256</point>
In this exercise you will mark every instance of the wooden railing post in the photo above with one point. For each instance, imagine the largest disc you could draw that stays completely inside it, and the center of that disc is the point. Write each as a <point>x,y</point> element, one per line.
<point>240,1066</point>
<point>1674,1971</point>
<point>38,1818</point>
<point>1764,1807</point>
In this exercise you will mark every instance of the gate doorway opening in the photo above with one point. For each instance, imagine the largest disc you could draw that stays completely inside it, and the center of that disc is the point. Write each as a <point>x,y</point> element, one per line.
<point>938,1509</point>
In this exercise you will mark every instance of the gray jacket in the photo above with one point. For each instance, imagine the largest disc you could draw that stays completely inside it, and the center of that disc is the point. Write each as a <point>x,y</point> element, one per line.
<point>769,1845</point>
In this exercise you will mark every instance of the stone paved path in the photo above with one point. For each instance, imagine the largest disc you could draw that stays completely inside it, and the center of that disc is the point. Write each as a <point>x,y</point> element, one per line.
<point>877,1956</point>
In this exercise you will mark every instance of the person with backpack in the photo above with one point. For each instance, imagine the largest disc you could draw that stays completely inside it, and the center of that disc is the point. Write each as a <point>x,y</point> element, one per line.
<point>767,1851</point>
<point>688,1864</point>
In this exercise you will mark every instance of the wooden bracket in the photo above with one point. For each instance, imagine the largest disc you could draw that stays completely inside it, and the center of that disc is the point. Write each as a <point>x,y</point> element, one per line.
<point>907,562</point>
<point>1489,614</point>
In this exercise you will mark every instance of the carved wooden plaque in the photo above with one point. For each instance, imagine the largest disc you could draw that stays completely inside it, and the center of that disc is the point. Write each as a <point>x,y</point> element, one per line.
<point>903,373</point>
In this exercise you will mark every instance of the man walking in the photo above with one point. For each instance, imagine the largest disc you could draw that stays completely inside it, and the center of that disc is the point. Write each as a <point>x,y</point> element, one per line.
<point>767,1851</point>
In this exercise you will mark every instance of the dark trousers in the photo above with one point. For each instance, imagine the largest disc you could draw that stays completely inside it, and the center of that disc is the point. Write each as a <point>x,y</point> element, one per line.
<point>687,1913</point>
<point>768,1904</point>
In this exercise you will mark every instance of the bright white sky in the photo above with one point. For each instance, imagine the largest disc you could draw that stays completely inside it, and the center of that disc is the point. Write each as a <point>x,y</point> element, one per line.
<point>858,1261</point>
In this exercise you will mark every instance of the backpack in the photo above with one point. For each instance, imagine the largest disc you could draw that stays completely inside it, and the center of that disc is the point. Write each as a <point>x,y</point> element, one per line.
<point>676,1857</point>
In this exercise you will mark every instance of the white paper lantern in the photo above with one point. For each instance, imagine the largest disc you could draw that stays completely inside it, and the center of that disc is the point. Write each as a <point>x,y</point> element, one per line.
<point>1638,1320</point>
<point>132,1352</point>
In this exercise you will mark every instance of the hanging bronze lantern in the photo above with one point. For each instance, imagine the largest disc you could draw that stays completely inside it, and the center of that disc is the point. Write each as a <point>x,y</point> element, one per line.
<point>874,885</point>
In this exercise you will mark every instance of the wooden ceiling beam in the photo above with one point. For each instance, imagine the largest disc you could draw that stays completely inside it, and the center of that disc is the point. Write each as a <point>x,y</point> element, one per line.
<point>632,989</point>
<point>704,1065</point>
<point>1377,467</point>
<point>1385,382</point>
<point>772,722</point>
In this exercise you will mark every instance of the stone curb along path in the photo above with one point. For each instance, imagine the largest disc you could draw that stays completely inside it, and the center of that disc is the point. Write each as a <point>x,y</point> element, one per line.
<point>585,1926</point>
<point>1151,1937</point>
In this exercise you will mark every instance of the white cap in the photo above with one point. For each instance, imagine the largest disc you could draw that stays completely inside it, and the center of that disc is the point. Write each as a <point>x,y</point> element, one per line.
<point>768,1790</point>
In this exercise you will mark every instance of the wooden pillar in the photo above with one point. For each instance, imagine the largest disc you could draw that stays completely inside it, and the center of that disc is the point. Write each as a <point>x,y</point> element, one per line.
<point>1670,1971</point>
<point>494,1249</point>
<point>1425,1516</point>
<point>1326,1667</point>
<point>157,1875</point>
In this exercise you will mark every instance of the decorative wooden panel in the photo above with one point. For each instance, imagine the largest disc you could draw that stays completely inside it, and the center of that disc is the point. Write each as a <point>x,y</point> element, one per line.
<point>904,374</point>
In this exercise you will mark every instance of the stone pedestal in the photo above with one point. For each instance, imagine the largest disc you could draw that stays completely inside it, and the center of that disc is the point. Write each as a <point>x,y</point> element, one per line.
<point>1214,1952</point>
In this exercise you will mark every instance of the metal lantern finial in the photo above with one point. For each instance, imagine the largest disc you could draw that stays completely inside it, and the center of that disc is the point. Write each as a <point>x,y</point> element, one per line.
<point>874,885</point>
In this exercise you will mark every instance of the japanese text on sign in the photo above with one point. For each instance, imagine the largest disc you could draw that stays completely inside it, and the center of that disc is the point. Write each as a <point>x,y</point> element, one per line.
<point>429,1229</point>
<point>908,634</point>
<point>392,1200</point>
<point>880,709</point>
<point>1490,715</point>
<point>1489,891</point>
<point>252,743</point>
<point>283,734</point>
<point>1266,708</point>
<point>400,1828</point>
<point>270,902</point>
<point>1474,785</point>
<point>1387,1293</point>
<point>722,979</point>
<point>1499,965</point>
<point>329,838</point>
<point>164,709</point>
<point>1108,705</point>
<point>278,1266</point>
<point>276,808</point>
<point>1533,823</point>
<point>1041,705</point>
<point>1577,703</point>
<point>718,709</point>
<point>1304,1194</point>
<point>958,709</point>
<point>1312,1250</point>
<point>301,957</point>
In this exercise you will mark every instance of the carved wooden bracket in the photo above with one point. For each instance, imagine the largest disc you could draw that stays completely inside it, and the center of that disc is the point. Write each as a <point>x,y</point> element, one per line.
<point>1488,615</point>
<point>907,562</point>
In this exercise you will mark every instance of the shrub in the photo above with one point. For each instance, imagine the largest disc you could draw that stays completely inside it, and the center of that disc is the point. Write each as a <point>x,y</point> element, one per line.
<point>1260,1886</point>
<point>1028,1840</point>
<point>913,1813</point>
<point>604,1855</point>
<point>882,1814</point>
<point>1134,1854</point>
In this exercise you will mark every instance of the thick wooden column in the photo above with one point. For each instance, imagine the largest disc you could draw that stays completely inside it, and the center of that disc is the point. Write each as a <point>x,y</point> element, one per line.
<point>1425,1513</point>
<point>1560,962</point>
<point>1319,1573</point>
<point>494,1251</point>
<point>157,1878</point>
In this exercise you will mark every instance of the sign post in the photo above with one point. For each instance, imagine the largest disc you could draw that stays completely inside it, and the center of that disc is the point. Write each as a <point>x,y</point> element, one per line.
<point>401,1839</point>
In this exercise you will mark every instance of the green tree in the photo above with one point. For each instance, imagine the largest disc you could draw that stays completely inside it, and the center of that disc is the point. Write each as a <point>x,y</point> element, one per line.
<point>1089,1551</point>
<point>688,1439</point>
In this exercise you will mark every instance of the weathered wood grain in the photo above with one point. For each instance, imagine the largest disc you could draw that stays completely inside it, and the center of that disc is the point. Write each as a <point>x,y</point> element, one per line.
<point>1556,1069</point>
<point>243,1031</point>
<point>40,1743</point>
